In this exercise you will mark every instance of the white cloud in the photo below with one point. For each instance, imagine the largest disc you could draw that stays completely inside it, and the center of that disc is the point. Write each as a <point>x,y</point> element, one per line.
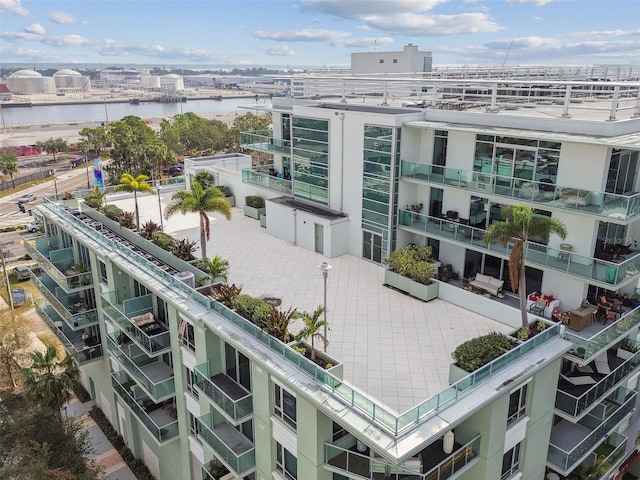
<point>303,35</point>
<point>537,19</point>
<point>65,40</point>
<point>14,7</point>
<point>606,33</point>
<point>434,25</point>
<point>277,50</point>
<point>64,18</point>
<point>15,36</point>
<point>365,42</point>
<point>28,55</point>
<point>356,10</point>
<point>36,29</point>
<point>538,3</point>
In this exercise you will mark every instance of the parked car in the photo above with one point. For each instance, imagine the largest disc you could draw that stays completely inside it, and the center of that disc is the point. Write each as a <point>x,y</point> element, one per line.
<point>32,227</point>
<point>174,170</point>
<point>22,273</point>
<point>27,197</point>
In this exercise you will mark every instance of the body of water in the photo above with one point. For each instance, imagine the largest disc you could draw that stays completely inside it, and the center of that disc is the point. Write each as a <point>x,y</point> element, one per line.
<point>101,112</point>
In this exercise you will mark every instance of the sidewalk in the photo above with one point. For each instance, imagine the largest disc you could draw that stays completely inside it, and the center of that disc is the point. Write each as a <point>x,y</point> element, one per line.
<point>104,454</point>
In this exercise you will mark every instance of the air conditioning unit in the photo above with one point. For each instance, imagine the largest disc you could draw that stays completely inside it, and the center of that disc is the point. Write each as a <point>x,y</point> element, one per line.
<point>187,278</point>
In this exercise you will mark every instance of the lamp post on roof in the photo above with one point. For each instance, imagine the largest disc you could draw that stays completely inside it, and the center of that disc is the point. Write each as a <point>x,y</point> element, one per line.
<point>324,268</point>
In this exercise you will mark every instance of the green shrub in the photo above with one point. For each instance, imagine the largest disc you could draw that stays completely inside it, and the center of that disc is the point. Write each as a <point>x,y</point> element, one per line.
<point>479,351</point>
<point>163,240</point>
<point>413,261</point>
<point>113,212</point>
<point>246,306</point>
<point>226,191</point>
<point>254,201</point>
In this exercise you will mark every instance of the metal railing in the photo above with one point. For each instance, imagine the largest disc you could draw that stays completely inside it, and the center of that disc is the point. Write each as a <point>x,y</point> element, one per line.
<point>235,409</point>
<point>69,283</point>
<point>241,463</point>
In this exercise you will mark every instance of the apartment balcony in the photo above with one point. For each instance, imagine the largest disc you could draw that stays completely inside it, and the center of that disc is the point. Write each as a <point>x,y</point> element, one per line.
<point>263,179</point>
<point>153,337</point>
<point>591,341</point>
<point>158,418</point>
<point>571,443</point>
<point>577,400</point>
<point>154,376</point>
<point>58,264</point>
<point>71,307</point>
<point>82,348</point>
<point>228,396</point>
<point>432,462</point>
<point>263,141</point>
<point>232,448</point>
<point>544,194</point>
<point>607,274</point>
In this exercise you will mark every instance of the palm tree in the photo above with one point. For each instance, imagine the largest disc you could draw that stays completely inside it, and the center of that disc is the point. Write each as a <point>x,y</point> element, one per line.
<point>217,267</point>
<point>200,200</point>
<point>311,329</point>
<point>49,379</point>
<point>518,226</point>
<point>129,183</point>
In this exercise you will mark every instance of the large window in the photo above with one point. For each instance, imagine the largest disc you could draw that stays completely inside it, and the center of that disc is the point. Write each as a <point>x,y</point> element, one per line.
<point>517,404</point>
<point>191,381</point>
<point>286,463</point>
<point>440,147</point>
<point>187,335</point>
<point>285,405</point>
<point>237,366</point>
<point>510,462</point>
<point>623,169</point>
<point>310,159</point>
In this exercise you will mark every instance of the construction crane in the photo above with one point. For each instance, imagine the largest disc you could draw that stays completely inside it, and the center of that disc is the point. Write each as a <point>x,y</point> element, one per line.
<point>508,52</point>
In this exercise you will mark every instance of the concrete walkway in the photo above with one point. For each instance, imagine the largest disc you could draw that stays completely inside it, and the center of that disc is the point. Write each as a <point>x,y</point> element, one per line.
<point>103,453</point>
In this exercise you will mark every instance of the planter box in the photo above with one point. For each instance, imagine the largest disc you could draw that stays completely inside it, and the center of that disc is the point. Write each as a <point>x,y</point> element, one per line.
<point>418,290</point>
<point>456,373</point>
<point>624,354</point>
<point>231,200</point>
<point>254,212</point>
<point>336,370</point>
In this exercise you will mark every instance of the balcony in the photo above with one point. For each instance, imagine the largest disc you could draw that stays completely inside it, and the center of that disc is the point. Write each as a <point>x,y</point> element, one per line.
<point>154,376</point>
<point>585,349</point>
<point>577,400</point>
<point>436,465</point>
<point>571,443</point>
<point>158,418</point>
<point>58,264</point>
<point>231,398</point>
<point>263,141</point>
<point>73,310</point>
<point>262,179</point>
<point>232,448</point>
<point>600,204</point>
<point>153,338</point>
<point>608,274</point>
<point>84,349</point>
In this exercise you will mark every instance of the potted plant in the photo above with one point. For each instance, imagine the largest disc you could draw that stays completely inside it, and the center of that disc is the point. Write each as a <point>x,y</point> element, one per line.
<point>626,349</point>
<point>254,206</point>
<point>411,270</point>
<point>477,352</point>
<point>228,195</point>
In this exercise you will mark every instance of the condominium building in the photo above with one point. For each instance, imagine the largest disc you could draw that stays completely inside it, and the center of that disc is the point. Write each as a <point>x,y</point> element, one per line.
<point>187,381</point>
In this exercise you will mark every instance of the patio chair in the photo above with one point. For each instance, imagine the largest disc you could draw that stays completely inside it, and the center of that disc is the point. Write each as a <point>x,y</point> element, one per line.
<point>538,307</point>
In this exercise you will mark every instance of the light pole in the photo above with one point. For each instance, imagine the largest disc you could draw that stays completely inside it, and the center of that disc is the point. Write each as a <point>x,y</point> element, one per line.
<point>324,268</point>
<point>55,185</point>
<point>86,166</point>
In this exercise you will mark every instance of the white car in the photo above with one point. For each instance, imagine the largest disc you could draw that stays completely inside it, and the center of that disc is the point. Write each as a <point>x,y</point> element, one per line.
<point>27,197</point>
<point>32,227</point>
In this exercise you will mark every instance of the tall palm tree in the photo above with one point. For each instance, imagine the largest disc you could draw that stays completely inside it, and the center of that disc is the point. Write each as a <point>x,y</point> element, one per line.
<point>311,329</point>
<point>49,380</point>
<point>129,183</point>
<point>518,226</point>
<point>200,200</point>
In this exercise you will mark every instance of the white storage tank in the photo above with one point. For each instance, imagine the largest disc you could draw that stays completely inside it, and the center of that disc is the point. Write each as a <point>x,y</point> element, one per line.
<point>187,278</point>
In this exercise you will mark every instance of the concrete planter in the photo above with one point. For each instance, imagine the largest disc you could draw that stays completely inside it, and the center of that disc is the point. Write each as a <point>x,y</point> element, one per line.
<point>231,200</point>
<point>254,212</point>
<point>418,290</point>
<point>456,373</point>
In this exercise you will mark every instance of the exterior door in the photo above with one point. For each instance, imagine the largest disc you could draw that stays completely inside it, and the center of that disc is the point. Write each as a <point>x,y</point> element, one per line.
<point>319,238</point>
<point>372,247</point>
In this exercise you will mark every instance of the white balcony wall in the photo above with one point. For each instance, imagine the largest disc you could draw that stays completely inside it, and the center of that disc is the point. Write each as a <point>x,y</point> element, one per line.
<point>460,150</point>
<point>583,166</point>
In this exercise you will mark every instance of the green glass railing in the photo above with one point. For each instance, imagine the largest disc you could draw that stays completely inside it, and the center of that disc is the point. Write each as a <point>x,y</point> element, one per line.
<point>620,443</point>
<point>602,204</point>
<point>263,140</point>
<point>80,320</point>
<point>568,460</point>
<point>589,268</point>
<point>157,390</point>
<point>152,344</point>
<point>68,281</point>
<point>585,348</point>
<point>160,432</point>
<point>354,463</point>
<point>163,182</point>
<point>236,409</point>
<point>267,181</point>
<point>241,462</point>
<point>70,340</point>
<point>575,406</point>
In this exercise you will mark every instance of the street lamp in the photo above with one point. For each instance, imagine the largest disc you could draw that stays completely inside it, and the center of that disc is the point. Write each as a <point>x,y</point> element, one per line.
<point>324,268</point>
<point>55,185</point>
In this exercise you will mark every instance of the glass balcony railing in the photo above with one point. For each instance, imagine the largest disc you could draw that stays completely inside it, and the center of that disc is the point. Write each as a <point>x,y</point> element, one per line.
<point>229,445</point>
<point>339,460</point>
<point>156,421</point>
<point>267,181</point>
<point>84,317</point>
<point>586,348</point>
<point>153,344</point>
<point>84,350</point>
<point>601,204</point>
<point>619,444</point>
<point>142,367</point>
<point>68,280</point>
<point>233,400</point>
<point>264,141</point>
<point>578,405</point>
<point>594,429</point>
<point>590,268</point>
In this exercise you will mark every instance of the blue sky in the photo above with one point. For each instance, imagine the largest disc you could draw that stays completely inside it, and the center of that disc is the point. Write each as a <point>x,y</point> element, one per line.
<point>318,32</point>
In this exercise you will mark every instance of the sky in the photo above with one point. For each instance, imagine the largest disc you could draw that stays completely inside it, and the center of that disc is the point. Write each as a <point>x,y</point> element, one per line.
<point>318,32</point>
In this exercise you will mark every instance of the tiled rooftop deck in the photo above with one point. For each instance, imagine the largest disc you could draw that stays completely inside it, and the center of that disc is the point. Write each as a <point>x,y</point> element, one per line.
<point>394,348</point>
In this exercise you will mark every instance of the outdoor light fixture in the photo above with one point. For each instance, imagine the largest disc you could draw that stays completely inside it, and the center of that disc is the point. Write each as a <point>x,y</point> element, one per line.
<point>324,268</point>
